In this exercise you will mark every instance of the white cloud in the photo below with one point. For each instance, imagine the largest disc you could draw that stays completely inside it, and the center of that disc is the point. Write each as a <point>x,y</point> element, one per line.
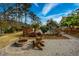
<point>58,19</point>
<point>52,16</point>
<point>48,7</point>
<point>36,4</point>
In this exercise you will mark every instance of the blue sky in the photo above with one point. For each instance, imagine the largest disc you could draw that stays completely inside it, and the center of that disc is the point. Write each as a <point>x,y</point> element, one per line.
<point>55,10</point>
<point>46,11</point>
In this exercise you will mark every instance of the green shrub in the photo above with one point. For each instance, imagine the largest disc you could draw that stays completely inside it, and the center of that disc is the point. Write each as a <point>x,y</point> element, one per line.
<point>44,29</point>
<point>11,30</point>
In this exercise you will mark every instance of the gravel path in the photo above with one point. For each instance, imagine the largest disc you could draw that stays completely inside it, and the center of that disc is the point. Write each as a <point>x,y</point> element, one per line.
<point>52,48</point>
<point>68,47</point>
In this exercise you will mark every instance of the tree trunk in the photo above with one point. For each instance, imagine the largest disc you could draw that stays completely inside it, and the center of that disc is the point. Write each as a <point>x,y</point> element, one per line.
<point>25,17</point>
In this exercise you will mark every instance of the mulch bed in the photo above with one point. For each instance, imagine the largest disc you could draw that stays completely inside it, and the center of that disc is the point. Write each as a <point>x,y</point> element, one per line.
<point>75,35</point>
<point>50,37</point>
<point>73,32</point>
<point>54,37</point>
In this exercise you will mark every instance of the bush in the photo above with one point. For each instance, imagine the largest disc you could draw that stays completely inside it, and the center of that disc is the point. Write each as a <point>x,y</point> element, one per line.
<point>44,29</point>
<point>11,30</point>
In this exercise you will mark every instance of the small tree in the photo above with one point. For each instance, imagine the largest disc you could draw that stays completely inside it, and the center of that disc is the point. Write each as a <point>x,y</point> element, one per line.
<point>44,28</point>
<point>35,26</point>
<point>51,24</point>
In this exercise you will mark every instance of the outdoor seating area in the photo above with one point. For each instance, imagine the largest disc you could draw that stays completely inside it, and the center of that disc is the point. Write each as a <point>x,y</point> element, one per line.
<point>29,29</point>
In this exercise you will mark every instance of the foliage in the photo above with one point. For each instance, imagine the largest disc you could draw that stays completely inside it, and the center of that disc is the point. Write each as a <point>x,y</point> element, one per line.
<point>44,28</point>
<point>51,24</point>
<point>11,16</point>
<point>71,20</point>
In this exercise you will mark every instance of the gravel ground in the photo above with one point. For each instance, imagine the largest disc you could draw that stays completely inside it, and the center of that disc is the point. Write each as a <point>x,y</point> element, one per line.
<point>52,48</point>
<point>55,47</point>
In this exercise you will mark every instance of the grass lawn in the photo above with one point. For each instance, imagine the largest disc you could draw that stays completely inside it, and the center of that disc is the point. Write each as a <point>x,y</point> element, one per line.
<point>8,38</point>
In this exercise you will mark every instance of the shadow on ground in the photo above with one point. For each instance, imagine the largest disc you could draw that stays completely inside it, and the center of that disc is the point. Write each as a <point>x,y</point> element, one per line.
<point>24,47</point>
